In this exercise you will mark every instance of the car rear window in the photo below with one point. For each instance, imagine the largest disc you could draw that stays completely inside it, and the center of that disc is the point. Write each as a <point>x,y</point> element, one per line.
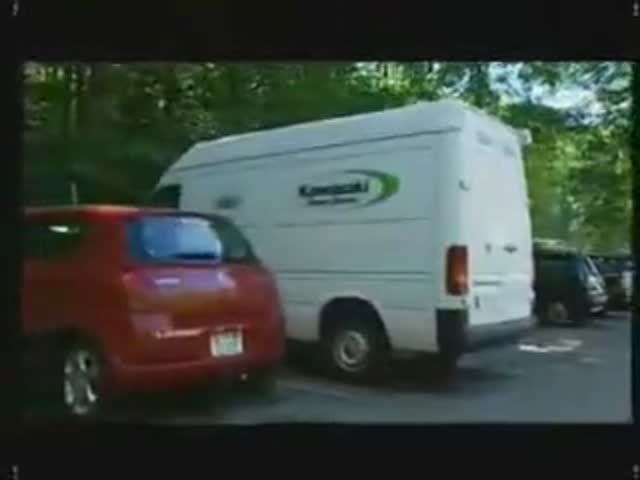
<point>182,238</point>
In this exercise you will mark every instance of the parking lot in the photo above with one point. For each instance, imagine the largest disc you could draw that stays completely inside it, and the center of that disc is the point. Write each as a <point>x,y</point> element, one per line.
<point>556,374</point>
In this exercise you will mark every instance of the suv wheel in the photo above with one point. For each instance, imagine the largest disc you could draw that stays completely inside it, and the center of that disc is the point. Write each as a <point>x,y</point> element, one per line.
<point>556,313</point>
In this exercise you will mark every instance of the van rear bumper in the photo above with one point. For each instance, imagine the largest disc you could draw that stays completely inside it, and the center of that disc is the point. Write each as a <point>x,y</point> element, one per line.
<point>455,336</point>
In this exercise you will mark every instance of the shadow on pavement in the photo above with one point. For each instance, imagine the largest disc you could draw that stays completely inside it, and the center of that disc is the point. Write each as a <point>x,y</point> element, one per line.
<point>212,401</point>
<point>411,376</point>
<point>414,377</point>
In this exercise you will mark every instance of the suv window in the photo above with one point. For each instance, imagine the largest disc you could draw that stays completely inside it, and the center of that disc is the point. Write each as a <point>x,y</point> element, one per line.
<point>169,238</point>
<point>52,240</point>
<point>591,266</point>
<point>167,196</point>
<point>555,267</point>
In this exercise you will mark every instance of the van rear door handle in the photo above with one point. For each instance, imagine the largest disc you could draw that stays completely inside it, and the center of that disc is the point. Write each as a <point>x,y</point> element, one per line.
<point>510,248</point>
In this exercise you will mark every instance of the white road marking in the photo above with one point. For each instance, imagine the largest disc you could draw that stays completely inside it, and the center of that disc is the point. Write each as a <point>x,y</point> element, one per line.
<point>561,346</point>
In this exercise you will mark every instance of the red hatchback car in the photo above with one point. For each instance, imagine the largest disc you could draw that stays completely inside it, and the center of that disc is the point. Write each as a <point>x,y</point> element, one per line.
<point>118,299</point>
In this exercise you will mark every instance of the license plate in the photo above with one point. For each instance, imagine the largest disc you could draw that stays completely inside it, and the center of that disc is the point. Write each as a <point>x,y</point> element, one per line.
<point>226,344</point>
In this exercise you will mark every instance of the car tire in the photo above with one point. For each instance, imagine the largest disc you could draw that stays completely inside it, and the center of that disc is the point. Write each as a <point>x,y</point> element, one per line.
<point>79,389</point>
<point>355,349</point>
<point>555,313</point>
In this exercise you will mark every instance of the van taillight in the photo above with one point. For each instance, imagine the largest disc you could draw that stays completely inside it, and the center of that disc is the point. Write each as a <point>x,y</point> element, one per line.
<point>457,270</point>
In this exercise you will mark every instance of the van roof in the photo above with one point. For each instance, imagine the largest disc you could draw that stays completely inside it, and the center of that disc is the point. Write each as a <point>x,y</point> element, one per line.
<point>423,117</point>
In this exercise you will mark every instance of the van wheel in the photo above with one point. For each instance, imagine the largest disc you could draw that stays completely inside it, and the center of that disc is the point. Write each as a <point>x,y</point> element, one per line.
<point>80,390</point>
<point>355,349</point>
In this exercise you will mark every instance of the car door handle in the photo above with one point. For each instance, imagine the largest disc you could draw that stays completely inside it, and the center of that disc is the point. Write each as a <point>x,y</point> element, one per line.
<point>510,248</point>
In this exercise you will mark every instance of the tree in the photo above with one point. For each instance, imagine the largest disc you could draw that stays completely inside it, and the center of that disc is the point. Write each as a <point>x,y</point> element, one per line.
<point>117,127</point>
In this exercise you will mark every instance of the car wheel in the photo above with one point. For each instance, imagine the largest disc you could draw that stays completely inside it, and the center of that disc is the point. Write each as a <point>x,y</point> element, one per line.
<point>81,388</point>
<point>555,313</point>
<point>355,349</point>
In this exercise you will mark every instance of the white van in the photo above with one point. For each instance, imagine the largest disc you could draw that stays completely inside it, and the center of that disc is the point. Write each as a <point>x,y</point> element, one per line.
<point>403,231</point>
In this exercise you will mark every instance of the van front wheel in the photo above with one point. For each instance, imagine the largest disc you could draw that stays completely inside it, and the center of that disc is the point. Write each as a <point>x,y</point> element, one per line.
<point>355,350</point>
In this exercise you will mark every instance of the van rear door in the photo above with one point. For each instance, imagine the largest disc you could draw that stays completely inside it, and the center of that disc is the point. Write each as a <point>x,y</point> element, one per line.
<point>501,255</point>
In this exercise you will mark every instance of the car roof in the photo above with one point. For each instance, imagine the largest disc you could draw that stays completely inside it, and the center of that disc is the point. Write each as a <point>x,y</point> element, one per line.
<point>105,211</point>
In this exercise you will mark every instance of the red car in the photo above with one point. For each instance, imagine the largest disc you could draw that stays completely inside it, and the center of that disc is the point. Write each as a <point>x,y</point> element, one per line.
<point>118,299</point>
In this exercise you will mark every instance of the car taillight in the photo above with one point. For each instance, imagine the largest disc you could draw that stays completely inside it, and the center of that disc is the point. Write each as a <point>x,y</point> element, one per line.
<point>457,270</point>
<point>137,289</point>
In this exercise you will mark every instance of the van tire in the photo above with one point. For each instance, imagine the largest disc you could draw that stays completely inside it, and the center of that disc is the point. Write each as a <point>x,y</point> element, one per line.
<point>355,347</point>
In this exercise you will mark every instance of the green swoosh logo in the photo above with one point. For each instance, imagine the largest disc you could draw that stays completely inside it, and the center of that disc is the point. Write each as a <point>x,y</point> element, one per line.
<point>390,184</point>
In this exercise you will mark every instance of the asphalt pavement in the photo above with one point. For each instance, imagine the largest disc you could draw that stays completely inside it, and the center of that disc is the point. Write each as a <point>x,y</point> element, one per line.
<point>556,374</point>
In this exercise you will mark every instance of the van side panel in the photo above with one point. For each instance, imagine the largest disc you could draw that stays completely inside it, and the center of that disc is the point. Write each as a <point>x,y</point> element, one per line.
<point>380,247</point>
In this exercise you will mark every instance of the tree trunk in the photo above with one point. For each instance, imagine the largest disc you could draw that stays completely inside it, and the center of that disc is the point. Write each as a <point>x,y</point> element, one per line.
<point>479,85</point>
<point>94,102</point>
<point>171,91</point>
<point>84,75</point>
<point>234,100</point>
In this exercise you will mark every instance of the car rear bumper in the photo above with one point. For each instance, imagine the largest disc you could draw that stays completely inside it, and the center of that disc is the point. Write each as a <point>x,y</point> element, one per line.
<point>455,335</point>
<point>126,378</point>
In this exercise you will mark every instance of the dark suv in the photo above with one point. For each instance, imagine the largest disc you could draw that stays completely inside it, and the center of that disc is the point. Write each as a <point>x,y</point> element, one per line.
<point>568,286</point>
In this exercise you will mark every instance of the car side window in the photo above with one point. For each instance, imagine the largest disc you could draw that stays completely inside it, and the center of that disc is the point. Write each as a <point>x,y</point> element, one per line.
<point>52,240</point>
<point>550,267</point>
<point>553,269</point>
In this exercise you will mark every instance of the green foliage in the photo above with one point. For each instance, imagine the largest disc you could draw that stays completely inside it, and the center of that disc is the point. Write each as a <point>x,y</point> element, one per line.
<point>114,128</point>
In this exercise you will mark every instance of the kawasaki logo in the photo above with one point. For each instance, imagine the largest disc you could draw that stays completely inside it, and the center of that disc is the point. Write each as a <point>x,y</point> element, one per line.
<point>357,188</point>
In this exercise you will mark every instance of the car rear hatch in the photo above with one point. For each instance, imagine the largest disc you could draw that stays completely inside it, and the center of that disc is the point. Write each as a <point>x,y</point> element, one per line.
<point>192,280</point>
